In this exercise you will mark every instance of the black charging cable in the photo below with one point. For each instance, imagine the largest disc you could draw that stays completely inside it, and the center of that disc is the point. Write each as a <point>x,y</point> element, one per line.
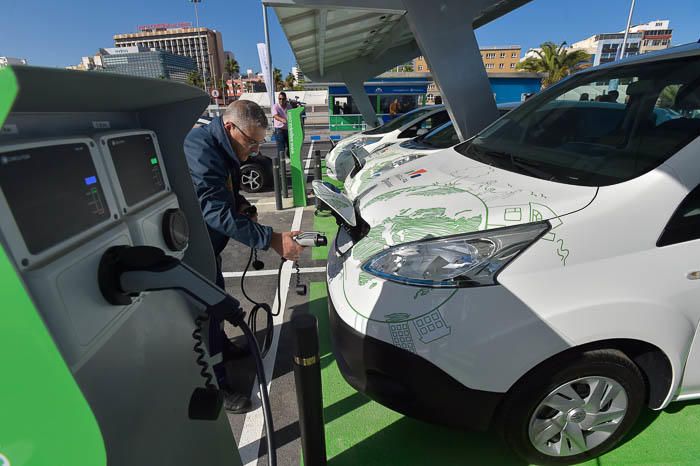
<point>253,314</point>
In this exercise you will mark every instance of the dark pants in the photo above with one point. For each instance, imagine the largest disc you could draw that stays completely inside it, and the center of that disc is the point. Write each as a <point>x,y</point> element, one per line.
<point>282,139</point>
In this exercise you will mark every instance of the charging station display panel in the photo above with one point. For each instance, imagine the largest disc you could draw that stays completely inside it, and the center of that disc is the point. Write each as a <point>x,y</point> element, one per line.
<point>137,165</point>
<point>53,192</point>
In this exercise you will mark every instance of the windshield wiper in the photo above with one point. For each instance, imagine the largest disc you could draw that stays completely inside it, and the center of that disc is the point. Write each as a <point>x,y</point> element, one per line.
<point>524,167</point>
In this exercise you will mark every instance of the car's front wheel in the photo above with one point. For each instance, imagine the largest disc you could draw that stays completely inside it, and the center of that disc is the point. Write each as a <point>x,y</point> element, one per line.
<point>576,411</point>
<point>252,178</point>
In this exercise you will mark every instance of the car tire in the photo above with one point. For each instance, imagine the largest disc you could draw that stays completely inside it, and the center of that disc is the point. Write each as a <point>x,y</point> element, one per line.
<point>573,409</point>
<point>253,178</point>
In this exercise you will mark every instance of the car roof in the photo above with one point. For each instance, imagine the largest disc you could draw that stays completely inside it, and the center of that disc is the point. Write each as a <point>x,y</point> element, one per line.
<point>680,51</point>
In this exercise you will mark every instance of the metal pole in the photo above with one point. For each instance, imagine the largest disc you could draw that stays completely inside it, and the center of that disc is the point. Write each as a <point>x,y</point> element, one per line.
<point>307,379</point>
<point>317,164</point>
<point>201,46</point>
<point>282,157</point>
<point>271,84</point>
<point>627,30</point>
<point>276,181</point>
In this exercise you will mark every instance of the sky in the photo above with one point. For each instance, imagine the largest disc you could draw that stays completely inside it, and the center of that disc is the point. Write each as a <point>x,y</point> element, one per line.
<point>57,33</point>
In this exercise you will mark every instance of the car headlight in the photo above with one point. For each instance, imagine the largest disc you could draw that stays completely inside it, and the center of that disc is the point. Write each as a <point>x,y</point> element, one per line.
<point>472,259</point>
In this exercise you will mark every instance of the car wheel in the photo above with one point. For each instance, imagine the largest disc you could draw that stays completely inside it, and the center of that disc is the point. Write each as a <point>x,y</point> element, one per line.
<point>573,410</point>
<point>252,178</point>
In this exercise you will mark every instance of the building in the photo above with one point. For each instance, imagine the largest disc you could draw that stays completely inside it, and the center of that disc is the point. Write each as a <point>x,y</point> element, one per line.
<point>203,45</point>
<point>506,87</point>
<point>500,59</point>
<point>642,38</point>
<point>147,63</point>
<point>10,61</point>
<point>298,74</point>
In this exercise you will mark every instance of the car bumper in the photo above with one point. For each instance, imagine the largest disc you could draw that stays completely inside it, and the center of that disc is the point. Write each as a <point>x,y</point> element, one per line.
<point>407,383</point>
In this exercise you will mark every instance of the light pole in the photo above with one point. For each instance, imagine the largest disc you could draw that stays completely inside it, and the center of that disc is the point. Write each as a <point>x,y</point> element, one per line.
<point>627,30</point>
<point>201,46</point>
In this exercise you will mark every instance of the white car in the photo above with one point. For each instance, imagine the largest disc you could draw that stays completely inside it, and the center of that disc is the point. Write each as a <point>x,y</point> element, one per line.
<point>543,277</point>
<point>340,162</point>
<point>380,162</point>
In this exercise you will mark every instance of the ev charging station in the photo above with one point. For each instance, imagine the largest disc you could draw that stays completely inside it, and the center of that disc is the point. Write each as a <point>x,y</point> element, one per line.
<point>95,165</point>
<point>352,41</point>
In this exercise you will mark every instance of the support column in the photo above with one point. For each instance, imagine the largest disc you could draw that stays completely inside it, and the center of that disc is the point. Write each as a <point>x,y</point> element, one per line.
<point>357,89</point>
<point>444,33</point>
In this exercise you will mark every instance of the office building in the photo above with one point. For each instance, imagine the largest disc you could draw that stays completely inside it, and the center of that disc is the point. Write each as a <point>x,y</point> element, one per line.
<point>147,63</point>
<point>498,59</point>
<point>203,45</point>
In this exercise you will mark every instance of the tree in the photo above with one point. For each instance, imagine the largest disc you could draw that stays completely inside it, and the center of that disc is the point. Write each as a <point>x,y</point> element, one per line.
<point>195,79</point>
<point>277,79</point>
<point>289,81</point>
<point>232,67</point>
<point>555,61</point>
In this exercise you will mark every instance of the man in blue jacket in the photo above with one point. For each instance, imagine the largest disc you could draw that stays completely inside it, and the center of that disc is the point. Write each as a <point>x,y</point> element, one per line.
<point>214,154</point>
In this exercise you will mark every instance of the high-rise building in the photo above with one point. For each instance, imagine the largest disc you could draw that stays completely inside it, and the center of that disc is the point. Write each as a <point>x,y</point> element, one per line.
<point>298,74</point>
<point>203,45</point>
<point>642,38</point>
<point>11,61</point>
<point>148,63</point>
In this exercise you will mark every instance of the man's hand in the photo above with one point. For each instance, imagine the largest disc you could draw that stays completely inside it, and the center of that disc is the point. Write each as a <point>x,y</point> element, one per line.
<point>285,246</point>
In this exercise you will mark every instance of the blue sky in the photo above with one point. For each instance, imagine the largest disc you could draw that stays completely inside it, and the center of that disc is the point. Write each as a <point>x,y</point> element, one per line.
<point>58,32</point>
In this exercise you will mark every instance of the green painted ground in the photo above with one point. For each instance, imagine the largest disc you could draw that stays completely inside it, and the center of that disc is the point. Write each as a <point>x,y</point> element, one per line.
<point>362,432</point>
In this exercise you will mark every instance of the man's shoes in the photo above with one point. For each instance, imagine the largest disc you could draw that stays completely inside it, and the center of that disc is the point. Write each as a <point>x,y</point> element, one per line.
<point>236,403</point>
<point>232,350</point>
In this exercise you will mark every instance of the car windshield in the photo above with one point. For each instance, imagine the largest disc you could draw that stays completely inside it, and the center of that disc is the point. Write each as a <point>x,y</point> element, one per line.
<point>441,138</point>
<point>598,128</point>
<point>398,122</point>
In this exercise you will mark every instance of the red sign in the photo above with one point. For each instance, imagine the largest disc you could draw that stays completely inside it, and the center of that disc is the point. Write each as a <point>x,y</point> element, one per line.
<point>149,27</point>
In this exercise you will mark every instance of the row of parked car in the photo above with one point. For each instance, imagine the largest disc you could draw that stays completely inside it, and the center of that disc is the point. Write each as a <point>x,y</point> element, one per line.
<point>542,277</point>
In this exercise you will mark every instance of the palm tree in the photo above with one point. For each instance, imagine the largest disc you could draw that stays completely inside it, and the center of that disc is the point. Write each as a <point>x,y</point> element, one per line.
<point>289,81</point>
<point>195,79</point>
<point>232,67</point>
<point>555,61</point>
<point>277,79</point>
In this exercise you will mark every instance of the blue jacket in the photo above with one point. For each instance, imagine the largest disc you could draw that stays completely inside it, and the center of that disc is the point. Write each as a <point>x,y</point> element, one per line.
<point>216,175</point>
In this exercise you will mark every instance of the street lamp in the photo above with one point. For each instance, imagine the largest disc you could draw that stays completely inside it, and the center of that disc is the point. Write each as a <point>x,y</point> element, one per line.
<point>201,46</point>
<point>627,30</point>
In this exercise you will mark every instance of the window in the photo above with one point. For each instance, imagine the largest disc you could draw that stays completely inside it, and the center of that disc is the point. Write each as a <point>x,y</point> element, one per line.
<point>397,123</point>
<point>429,123</point>
<point>489,65</point>
<point>503,55</point>
<point>406,103</point>
<point>514,55</point>
<point>501,65</point>
<point>600,127</point>
<point>512,66</point>
<point>491,55</point>
<point>685,222</point>
<point>441,139</point>
<point>345,105</point>
<point>420,67</point>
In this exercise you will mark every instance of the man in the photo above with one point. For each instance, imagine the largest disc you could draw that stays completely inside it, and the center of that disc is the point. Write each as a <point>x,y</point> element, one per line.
<point>279,117</point>
<point>214,154</point>
<point>394,108</point>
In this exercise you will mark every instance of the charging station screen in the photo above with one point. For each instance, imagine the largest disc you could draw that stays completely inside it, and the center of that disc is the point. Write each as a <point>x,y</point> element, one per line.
<point>53,193</point>
<point>138,167</point>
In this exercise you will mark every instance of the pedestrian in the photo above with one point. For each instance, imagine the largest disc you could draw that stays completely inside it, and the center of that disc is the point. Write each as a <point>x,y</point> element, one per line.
<point>214,154</point>
<point>394,108</point>
<point>279,115</point>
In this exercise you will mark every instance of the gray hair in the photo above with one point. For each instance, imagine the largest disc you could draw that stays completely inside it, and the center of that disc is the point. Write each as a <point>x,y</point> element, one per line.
<point>246,114</point>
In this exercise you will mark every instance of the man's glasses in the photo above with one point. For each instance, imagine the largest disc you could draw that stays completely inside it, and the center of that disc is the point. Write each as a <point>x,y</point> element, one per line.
<point>251,141</point>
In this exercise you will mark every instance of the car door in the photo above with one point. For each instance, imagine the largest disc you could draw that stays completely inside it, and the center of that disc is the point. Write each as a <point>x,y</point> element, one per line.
<point>681,238</point>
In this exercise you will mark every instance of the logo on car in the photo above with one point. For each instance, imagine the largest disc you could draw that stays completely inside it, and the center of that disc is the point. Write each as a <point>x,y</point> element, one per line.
<point>416,173</point>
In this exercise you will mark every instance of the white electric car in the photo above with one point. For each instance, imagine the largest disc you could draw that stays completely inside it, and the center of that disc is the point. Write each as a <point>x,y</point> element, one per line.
<point>422,120</point>
<point>542,277</point>
<point>377,164</point>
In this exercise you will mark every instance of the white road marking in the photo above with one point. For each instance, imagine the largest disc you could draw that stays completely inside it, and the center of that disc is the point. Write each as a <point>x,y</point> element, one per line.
<point>249,443</point>
<point>264,273</point>
<point>309,157</point>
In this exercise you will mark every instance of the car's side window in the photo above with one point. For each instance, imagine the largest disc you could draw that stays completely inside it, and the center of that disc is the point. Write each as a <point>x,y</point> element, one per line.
<point>433,121</point>
<point>685,222</point>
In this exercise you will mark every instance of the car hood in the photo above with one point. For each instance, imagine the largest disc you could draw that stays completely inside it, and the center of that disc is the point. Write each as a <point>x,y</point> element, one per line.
<point>343,143</point>
<point>446,193</point>
<point>379,164</point>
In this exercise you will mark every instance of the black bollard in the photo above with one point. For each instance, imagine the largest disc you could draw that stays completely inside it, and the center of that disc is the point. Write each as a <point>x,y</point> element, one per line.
<point>307,378</point>
<point>276,181</point>
<point>283,173</point>
<point>317,165</point>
